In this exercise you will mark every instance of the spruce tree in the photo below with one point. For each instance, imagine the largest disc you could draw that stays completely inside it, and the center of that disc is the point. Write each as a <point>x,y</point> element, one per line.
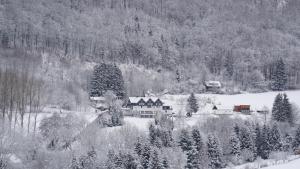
<point>146,154</point>
<point>155,162</point>
<point>185,141</point>
<point>265,143</point>
<point>236,129</point>
<point>192,159</point>
<point>234,143</point>
<point>214,152</point>
<point>277,110</point>
<point>192,106</point>
<point>197,139</point>
<point>287,142</point>
<point>287,109</point>
<point>258,140</point>
<point>296,141</point>
<point>138,147</point>
<point>107,77</point>
<point>275,139</point>
<point>279,76</point>
<point>246,139</point>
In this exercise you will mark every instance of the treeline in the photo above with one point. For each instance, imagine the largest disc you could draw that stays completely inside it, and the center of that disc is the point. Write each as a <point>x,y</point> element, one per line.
<point>21,96</point>
<point>196,40</point>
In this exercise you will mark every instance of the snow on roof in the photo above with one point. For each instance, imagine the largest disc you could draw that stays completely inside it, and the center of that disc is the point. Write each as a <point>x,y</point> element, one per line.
<point>137,99</point>
<point>97,98</point>
<point>213,83</point>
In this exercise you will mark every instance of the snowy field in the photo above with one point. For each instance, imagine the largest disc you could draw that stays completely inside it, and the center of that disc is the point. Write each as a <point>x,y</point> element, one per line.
<point>291,162</point>
<point>256,100</point>
<point>206,102</point>
<point>178,102</point>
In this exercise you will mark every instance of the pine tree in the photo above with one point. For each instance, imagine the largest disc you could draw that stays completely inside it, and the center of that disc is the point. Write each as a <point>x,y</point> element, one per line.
<point>146,154</point>
<point>287,142</point>
<point>152,133</point>
<point>279,77</point>
<point>214,152</point>
<point>107,77</point>
<point>192,106</point>
<point>265,144</point>
<point>277,110</point>
<point>166,138</point>
<point>287,109</point>
<point>192,159</point>
<point>246,139</point>
<point>197,139</point>
<point>275,139</point>
<point>155,162</point>
<point>258,140</point>
<point>236,129</point>
<point>234,143</point>
<point>185,141</point>
<point>296,141</point>
<point>138,147</point>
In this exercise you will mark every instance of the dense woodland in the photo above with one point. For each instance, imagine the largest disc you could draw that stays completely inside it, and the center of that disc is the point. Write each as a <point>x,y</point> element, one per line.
<point>237,42</point>
<point>50,49</point>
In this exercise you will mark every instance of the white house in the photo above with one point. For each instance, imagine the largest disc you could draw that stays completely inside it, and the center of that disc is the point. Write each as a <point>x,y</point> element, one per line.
<point>147,107</point>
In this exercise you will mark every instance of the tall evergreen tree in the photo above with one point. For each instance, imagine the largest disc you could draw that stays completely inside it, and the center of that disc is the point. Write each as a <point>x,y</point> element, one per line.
<point>197,139</point>
<point>234,143</point>
<point>277,110</point>
<point>155,162</point>
<point>146,154</point>
<point>296,141</point>
<point>265,144</point>
<point>192,106</point>
<point>279,76</point>
<point>193,160</point>
<point>275,139</point>
<point>287,109</point>
<point>185,140</point>
<point>138,148</point>
<point>214,152</point>
<point>107,77</point>
<point>258,140</point>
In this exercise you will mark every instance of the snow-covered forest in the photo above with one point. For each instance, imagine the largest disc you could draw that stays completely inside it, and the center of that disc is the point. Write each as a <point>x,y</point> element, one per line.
<point>218,80</point>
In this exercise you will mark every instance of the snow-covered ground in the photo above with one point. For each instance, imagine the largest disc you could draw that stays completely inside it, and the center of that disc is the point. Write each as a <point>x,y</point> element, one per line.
<point>290,162</point>
<point>178,102</point>
<point>256,100</point>
<point>290,165</point>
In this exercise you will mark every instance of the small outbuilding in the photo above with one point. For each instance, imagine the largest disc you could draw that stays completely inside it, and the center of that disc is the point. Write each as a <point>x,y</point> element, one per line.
<point>242,108</point>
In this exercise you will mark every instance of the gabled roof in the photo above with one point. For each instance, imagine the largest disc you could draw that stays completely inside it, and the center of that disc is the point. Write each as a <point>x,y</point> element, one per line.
<point>146,99</point>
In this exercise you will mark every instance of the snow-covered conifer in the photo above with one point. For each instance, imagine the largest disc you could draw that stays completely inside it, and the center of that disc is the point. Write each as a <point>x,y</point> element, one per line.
<point>192,159</point>
<point>197,140</point>
<point>275,139</point>
<point>185,140</point>
<point>287,109</point>
<point>277,110</point>
<point>279,76</point>
<point>192,105</point>
<point>296,141</point>
<point>234,143</point>
<point>265,142</point>
<point>155,161</point>
<point>214,151</point>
